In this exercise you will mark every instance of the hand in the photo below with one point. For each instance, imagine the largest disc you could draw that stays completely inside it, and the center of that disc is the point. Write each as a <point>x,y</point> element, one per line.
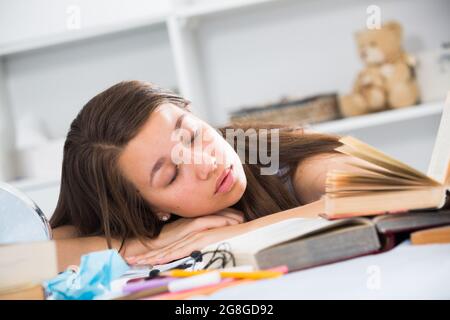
<point>182,227</point>
<point>185,246</point>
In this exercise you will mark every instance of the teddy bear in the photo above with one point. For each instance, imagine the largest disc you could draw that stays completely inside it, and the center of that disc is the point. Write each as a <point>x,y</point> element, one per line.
<point>388,80</point>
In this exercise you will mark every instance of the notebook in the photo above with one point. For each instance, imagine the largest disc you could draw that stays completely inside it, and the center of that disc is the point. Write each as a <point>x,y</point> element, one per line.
<point>302,243</point>
<point>382,184</point>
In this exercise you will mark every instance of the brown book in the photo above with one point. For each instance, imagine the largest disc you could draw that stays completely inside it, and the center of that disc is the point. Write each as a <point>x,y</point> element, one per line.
<point>302,243</point>
<point>26,265</point>
<point>387,185</point>
<point>433,235</point>
<point>33,292</point>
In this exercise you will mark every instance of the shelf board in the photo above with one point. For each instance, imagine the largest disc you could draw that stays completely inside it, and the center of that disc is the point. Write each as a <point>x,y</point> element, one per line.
<point>380,118</point>
<point>151,20</point>
<point>28,184</point>
<point>81,34</point>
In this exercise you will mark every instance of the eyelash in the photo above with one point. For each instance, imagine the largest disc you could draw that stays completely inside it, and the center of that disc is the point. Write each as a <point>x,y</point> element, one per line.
<point>194,136</point>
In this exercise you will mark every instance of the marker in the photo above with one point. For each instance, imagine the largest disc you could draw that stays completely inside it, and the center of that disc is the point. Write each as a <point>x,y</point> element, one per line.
<point>196,281</point>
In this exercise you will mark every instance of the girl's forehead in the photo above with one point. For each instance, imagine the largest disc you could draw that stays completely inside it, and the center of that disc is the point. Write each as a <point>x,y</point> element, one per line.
<point>167,111</point>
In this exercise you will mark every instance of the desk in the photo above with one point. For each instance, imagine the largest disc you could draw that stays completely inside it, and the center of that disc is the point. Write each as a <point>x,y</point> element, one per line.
<point>405,272</point>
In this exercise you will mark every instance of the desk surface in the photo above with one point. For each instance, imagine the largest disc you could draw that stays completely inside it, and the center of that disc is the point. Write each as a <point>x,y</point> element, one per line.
<point>405,272</point>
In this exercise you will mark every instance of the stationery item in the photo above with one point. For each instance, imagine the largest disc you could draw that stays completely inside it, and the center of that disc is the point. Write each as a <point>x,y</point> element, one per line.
<point>176,285</point>
<point>301,243</point>
<point>26,264</point>
<point>434,235</point>
<point>138,272</point>
<point>146,284</point>
<point>386,185</point>
<point>255,275</point>
<point>205,290</point>
<point>93,278</point>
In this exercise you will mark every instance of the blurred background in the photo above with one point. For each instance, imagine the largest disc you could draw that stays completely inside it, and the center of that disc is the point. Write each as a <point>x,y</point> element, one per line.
<point>277,59</point>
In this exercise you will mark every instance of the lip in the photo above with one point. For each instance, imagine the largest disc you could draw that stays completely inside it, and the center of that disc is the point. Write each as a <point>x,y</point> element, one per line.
<point>225,181</point>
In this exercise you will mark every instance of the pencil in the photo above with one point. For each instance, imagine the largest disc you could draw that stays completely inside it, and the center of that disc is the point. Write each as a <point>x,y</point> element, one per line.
<point>254,275</point>
<point>176,285</point>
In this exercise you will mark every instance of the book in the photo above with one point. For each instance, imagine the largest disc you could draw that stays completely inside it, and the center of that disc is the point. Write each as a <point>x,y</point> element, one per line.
<point>26,265</point>
<point>302,243</point>
<point>382,184</point>
<point>433,235</point>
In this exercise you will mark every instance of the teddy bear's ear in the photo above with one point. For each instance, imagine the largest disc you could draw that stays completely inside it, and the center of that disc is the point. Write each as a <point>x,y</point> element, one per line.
<point>395,27</point>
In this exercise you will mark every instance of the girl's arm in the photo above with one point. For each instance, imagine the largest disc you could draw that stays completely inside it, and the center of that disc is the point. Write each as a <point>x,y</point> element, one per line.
<point>199,240</point>
<point>70,246</point>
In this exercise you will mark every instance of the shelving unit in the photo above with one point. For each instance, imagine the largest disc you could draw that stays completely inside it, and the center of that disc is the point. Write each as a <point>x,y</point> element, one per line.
<point>383,118</point>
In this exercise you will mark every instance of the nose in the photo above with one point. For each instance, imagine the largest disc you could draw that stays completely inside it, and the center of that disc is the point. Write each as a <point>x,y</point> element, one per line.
<point>204,165</point>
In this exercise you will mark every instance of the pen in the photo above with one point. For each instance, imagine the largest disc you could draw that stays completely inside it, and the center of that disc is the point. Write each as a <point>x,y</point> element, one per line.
<point>146,284</point>
<point>176,285</point>
<point>205,290</point>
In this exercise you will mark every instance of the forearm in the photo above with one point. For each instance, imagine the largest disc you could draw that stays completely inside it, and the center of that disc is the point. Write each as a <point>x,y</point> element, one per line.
<point>310,210</point>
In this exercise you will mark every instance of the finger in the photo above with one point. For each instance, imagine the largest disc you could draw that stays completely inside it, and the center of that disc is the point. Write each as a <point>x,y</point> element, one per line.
<point>150,257</point>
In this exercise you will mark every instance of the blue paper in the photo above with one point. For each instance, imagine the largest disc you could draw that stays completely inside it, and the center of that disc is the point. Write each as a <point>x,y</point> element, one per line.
<point>94,277</point>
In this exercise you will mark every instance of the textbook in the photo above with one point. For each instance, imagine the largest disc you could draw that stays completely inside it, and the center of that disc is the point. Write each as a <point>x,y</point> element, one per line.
<point>24,266</point>
<point>302,243</point>
<point>387,185</point>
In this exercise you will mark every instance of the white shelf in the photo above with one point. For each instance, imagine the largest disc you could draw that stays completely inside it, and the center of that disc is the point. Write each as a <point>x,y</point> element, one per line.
<point>81,34</point>
<point>151,20</point>
<point>380,118</point>
<point>28,184</point>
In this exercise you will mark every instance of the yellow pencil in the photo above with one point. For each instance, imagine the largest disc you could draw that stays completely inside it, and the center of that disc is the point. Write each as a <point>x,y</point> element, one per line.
<point>255,275</point>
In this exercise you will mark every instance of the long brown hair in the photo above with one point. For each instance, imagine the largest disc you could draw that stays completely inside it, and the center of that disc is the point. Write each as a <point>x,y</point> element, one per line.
<point>97,199</point>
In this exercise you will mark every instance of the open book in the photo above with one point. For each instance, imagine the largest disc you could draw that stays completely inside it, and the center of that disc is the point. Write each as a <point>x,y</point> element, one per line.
<point>386,185</point>
<point>302,243</point>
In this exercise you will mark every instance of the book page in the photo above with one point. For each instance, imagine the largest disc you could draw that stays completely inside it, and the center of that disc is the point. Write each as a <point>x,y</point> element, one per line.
<point>441,153</point>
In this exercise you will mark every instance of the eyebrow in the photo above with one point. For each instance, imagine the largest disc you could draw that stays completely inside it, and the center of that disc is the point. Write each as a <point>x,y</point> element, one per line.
<point>159,163</point>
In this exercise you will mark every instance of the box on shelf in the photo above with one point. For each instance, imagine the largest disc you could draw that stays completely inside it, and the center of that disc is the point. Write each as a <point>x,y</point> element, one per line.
<point>303,111</point>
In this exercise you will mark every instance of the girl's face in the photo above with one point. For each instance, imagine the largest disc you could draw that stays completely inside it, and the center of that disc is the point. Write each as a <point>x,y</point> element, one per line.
<point>181,165</point>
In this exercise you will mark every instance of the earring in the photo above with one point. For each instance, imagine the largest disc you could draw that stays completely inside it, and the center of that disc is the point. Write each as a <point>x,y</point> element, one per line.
<point>165,217</point>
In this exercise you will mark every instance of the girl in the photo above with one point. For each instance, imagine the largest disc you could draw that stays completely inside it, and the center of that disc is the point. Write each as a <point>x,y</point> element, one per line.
<point>122,181</point>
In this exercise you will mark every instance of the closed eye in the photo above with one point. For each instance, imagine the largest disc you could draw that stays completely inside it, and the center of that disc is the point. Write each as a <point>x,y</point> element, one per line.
<point>175,175</point>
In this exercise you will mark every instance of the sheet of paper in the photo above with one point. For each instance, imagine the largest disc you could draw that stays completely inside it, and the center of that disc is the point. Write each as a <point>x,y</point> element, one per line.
<point>441,153</point>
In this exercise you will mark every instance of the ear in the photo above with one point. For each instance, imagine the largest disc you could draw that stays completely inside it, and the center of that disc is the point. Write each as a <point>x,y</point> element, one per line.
<point>395,27</point>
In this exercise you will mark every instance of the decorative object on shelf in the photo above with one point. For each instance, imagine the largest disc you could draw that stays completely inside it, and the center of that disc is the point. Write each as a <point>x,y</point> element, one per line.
<point>433,73</point>
<point>297,111</point>
<point>7,135</point>
<point>388,79</point>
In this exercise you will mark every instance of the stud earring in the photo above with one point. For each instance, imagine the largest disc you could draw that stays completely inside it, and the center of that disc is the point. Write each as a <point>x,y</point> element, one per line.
<point>165,217</point>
